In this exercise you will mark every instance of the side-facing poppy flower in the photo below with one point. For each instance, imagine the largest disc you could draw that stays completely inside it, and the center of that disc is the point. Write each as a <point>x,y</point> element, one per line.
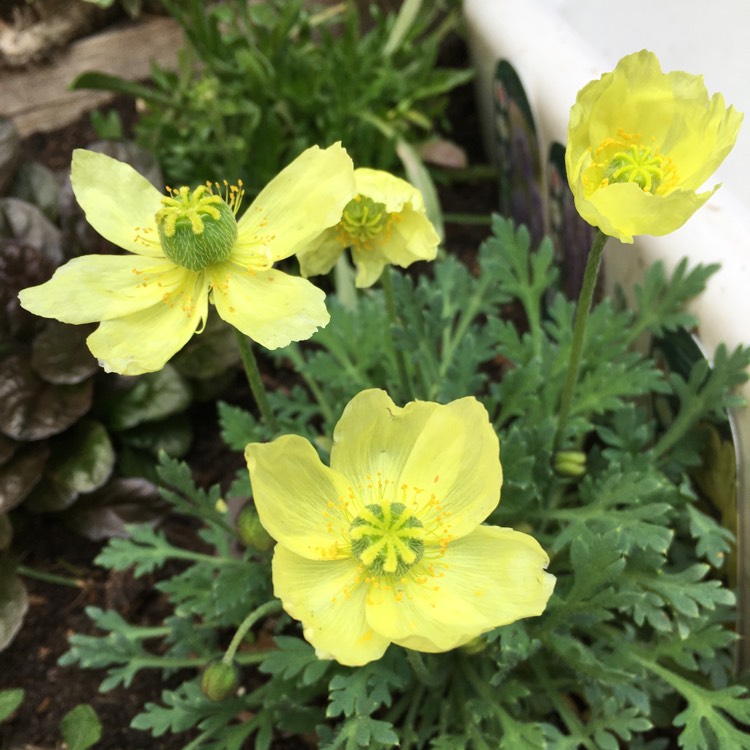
<point>641,143</point>
<point>384,223</point>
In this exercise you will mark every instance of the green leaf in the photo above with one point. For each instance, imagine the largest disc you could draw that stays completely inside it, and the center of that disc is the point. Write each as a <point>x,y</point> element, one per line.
<point>10,700</point>
<point>239,427</point>
<point>81,727</point>
<point>713,718</point>
<point>714,542</point>
<point>294,659</point>
<point>363,731</point>
<point>105,82</point>
<point>661,302</point>
<point>404,20</point>
<point>185,708</point>
<point>520,735</point>
<point>687,591</point>
<point>144,550</point>
<point>708,719</point>
<point>364,690</point>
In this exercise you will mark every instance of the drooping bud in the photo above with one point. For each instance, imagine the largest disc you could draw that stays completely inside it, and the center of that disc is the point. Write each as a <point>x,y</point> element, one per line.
<point>196,227</point>
<point>475,645</point>
<point>219,680</point>
<point>250,530</point>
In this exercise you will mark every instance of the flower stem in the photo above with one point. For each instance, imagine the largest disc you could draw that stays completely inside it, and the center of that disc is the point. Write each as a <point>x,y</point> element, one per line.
<point>390,308</point>
<point>298,360</point>
<point>579,333</point>
<point>265,609</point>
<point>468,219</point>
<point>416,662</point>
<point>256,384</point>
<point>50,577</point>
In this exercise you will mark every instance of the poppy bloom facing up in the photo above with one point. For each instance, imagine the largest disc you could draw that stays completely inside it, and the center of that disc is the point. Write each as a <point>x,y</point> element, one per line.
<point>386,545</point>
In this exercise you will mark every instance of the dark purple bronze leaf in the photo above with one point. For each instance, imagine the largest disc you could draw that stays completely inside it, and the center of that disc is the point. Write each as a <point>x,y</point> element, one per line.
<point>121,502</point>
<point>21,474</point>
<point>59,353</point>
<point>30,408</point>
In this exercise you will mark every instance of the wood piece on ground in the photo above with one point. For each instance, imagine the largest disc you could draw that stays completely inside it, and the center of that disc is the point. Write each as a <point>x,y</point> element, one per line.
<point>39,99</point>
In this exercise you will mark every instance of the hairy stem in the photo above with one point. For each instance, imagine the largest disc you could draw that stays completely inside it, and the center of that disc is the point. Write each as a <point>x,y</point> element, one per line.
<point>579,333</point>
<point>256,384</point>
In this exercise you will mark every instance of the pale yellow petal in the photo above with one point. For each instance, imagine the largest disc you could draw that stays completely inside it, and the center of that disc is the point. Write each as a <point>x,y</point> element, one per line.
<point>455,462</point>
<point>384,187</point>
<point>301,502</point>
<point>502,572</point>
<point>636,95</point>
<point>118,202</point>
<point>375,437</point>
<point>144,341</point>
<point>304,199</point>
<point>369,265</point>
<point>491,577</point>
<point>408,235</point>
<point>438,459</point>
<point>623,210</point>
<point>329,600</point>
<point>411,237</point>
<point>271,307</point>
<point>320,256</point>
<point>102,287</point>
<point>698,158</point>
<point>422,614</point>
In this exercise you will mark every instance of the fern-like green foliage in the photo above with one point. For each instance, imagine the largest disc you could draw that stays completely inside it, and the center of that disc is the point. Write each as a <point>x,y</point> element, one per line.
<point>635,648</point>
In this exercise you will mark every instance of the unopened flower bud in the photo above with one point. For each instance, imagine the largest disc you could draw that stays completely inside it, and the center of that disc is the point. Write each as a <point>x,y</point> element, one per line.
<point>220,680</point>
<point>475,645</point>
<point>250,530</point>
<point>569,463</point>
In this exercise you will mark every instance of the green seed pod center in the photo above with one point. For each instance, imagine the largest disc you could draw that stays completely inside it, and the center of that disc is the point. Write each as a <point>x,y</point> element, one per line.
<point>196,228</point>
<point>387,539</point>
<point>643,166</point>
<point>362,220</point>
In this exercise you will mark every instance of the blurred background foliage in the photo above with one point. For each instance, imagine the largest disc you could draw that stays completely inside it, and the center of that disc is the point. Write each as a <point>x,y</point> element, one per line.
<point>259,82</point>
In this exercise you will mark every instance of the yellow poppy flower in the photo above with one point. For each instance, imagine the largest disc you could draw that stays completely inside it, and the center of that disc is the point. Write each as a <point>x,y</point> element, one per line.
<point>641,143</point>
<point>188,249</point>
<point>386,546</point>
<point>384,223</point>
